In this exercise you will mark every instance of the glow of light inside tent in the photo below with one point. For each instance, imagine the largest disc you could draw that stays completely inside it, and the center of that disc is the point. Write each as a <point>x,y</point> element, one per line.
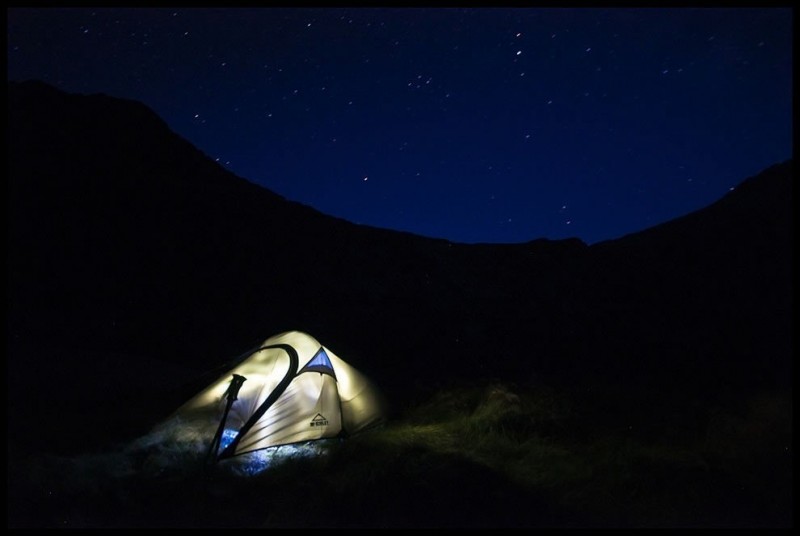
<point>227,438</point>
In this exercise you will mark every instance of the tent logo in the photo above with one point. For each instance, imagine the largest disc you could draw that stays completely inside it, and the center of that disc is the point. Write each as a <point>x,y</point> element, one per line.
<point>319,420</point>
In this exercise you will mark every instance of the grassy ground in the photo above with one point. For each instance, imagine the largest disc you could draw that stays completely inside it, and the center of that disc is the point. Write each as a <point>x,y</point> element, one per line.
<point>483,455</point>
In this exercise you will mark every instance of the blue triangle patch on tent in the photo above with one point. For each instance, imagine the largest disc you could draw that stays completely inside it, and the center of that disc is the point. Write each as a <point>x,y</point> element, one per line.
<point>319,363</point>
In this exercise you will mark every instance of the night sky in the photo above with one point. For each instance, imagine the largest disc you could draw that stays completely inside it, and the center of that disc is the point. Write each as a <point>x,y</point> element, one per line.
<point>474,125</point>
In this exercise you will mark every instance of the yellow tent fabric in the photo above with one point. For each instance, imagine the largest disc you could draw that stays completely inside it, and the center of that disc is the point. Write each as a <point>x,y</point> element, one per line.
<point>294,389</point>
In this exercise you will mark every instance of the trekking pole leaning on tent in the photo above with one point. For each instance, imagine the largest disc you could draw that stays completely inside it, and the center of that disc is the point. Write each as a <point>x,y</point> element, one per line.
<point>231,394</point>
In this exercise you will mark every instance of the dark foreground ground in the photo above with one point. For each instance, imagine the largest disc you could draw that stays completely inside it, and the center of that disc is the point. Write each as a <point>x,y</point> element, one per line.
<point>483,454</point>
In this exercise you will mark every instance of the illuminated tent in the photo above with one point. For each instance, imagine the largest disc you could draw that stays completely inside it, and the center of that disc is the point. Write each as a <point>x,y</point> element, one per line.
<point>288,390</point>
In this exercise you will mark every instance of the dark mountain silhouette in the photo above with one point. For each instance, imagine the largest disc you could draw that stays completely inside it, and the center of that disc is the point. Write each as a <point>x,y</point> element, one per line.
<point>125,241</point>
